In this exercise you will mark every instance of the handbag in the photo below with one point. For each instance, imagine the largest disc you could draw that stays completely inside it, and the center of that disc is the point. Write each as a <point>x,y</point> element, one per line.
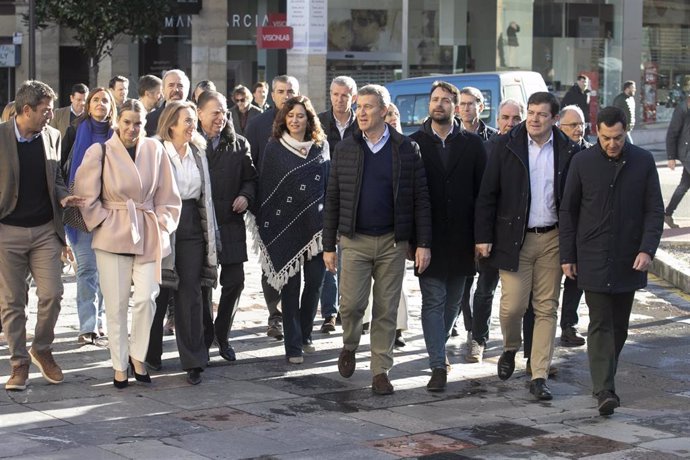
<point>71,215</point>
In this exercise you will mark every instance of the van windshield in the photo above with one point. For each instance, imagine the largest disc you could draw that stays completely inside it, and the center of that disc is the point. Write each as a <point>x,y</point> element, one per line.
<point>414,108</point>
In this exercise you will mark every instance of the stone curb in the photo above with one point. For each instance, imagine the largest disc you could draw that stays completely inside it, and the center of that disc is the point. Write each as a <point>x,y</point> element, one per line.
<point>665,266</point>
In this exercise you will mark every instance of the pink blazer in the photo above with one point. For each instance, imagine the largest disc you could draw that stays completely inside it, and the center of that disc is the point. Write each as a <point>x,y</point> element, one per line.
<point>139,206</point>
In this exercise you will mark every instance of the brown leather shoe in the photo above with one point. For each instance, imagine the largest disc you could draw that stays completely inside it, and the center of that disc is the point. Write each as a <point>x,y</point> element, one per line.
<point>17,381</point>
<point>47,365</point>
<point>346,363</point>
<point>380,385</point>
<point>328,325</point>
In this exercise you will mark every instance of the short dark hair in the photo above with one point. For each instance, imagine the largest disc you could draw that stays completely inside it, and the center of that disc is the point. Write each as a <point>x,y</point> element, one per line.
<point>115,79</point>
<point>628,84</point>
<point>80,88</point>
<point>148,83</point>
<point>544,97</point>
<point>259,84</point>
<point>451,88</point>
<point>204,85</point>
<point>32,93</point>
<point>210,95</point>
<point>611,115</point>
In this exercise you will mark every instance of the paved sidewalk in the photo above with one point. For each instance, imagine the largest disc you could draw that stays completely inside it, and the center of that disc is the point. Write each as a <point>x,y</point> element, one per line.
<point>261,406</point>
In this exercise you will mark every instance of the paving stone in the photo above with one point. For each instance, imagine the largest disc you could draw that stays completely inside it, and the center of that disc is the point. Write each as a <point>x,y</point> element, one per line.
<point>90,452</point>
<point>496,433</point>
<point>298,435</point>
<point>16,417</point>
<point>19,444</point>
<point>507,452</point>
<point>347,452</point>
<point>89,410</point>
<point>675,446</point>
<point>219,393</point>
<point>350,428</point>
<point>114,431</point>
<point>231,444</point>
<point>306,385</point>
<point>678,424</point>
<point>398,421</point>
<point>419,444</point>
<point>365,399</point>
<point>571,445</point>
<point>633,454</point>
<point>220,419</point>
<point>624,432</point>
<point>150,449</point>
<point>449,416</point>
<point>289,408</point>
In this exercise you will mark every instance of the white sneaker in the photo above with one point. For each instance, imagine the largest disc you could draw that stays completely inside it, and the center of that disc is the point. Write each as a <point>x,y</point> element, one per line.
<point>295,359</point>
<point>475,353</point>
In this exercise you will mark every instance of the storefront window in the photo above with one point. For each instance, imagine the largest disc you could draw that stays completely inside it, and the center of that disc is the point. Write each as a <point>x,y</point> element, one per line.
<point>665,57</point>
<point>172,50</point>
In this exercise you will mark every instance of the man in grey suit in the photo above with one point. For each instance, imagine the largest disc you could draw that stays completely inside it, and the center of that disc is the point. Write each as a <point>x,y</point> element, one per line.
<point>65,117</point>
<point>32,196</point>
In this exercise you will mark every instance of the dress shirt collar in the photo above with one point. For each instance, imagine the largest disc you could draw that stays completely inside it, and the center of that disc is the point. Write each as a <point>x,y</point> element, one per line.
<point>19,136</point>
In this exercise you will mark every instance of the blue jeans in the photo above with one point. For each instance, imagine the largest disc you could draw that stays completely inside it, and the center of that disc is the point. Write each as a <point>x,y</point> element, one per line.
<point>440,306</point>
<point>298,315</point>
<point>89,298</point>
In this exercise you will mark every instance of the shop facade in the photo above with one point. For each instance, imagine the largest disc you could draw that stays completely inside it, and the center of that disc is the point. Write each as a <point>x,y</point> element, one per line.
<point>611,41</point>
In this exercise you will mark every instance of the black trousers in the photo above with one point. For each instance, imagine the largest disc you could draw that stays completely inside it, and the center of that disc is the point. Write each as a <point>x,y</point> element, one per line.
<point>609,316</point>
<point>232,284</point>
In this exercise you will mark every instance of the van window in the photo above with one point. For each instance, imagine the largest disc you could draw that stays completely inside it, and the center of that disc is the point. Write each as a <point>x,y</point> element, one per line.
<point>513,92</point>
<point>414,108</point>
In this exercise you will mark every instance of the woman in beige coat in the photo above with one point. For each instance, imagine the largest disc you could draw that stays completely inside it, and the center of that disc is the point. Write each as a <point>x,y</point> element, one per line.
<point>132,206</point>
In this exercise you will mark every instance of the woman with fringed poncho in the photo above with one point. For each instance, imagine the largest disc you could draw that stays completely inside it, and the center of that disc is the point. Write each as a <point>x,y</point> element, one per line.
<point>289,221</point>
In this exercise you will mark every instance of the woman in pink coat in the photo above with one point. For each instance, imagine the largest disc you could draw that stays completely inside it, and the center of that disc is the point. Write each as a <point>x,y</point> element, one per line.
<point>132,206</point>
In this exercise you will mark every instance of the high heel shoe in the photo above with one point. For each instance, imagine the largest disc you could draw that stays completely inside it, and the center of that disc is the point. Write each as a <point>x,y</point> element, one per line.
<point>120,384</point>
<point>146,378</point>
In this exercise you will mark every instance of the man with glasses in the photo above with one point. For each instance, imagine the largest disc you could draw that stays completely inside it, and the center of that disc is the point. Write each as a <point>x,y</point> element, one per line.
<point>516,227</point>
<point>243,110</point>
<point>258,132</point>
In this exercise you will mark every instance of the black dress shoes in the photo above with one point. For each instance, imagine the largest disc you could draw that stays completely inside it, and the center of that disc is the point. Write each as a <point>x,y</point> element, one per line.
<point>607,401</point>
<point>540,390</point>
<point>506,365</point>
<point>226,351</point>
<point>145,378</point>
<point>194,376</point>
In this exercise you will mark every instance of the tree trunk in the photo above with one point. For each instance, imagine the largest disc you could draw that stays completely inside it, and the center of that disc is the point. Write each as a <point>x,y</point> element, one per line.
<point>93,72</point>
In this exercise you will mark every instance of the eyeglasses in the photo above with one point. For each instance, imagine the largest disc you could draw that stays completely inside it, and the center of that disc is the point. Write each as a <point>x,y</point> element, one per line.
<point>575,125</point>
<point>238,100</point>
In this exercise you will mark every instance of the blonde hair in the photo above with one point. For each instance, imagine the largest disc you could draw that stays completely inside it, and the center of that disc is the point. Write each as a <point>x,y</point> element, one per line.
<point>9,111</point>
<point>169,118</point>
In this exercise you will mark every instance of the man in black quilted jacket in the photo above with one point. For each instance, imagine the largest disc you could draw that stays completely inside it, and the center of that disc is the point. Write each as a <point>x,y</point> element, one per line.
<point>377,202</point>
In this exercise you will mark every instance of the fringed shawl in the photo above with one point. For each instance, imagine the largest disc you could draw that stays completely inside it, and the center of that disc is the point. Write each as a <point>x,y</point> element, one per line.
<point>289,222</point>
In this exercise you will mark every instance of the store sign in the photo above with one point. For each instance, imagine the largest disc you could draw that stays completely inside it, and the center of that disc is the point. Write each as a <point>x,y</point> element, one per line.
<point>308,18</point>
<point>9,56</point>
<point>274,37</point>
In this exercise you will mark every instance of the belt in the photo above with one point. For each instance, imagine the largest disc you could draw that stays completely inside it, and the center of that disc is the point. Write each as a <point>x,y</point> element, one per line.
<point>542,229</point>
<point>131,207</point>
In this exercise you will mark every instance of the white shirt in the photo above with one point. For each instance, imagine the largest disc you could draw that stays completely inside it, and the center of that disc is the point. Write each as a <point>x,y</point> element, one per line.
<point>186,172</point>
<point>342,127</point>
<point>380,143</point>
<point>542,212</point>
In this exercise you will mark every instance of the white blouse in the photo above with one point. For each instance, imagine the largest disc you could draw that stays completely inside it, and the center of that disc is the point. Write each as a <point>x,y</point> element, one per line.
<point>186,172</point>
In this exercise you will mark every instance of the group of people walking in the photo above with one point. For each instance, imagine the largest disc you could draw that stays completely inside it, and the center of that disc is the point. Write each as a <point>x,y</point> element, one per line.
<point>337,202</point>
